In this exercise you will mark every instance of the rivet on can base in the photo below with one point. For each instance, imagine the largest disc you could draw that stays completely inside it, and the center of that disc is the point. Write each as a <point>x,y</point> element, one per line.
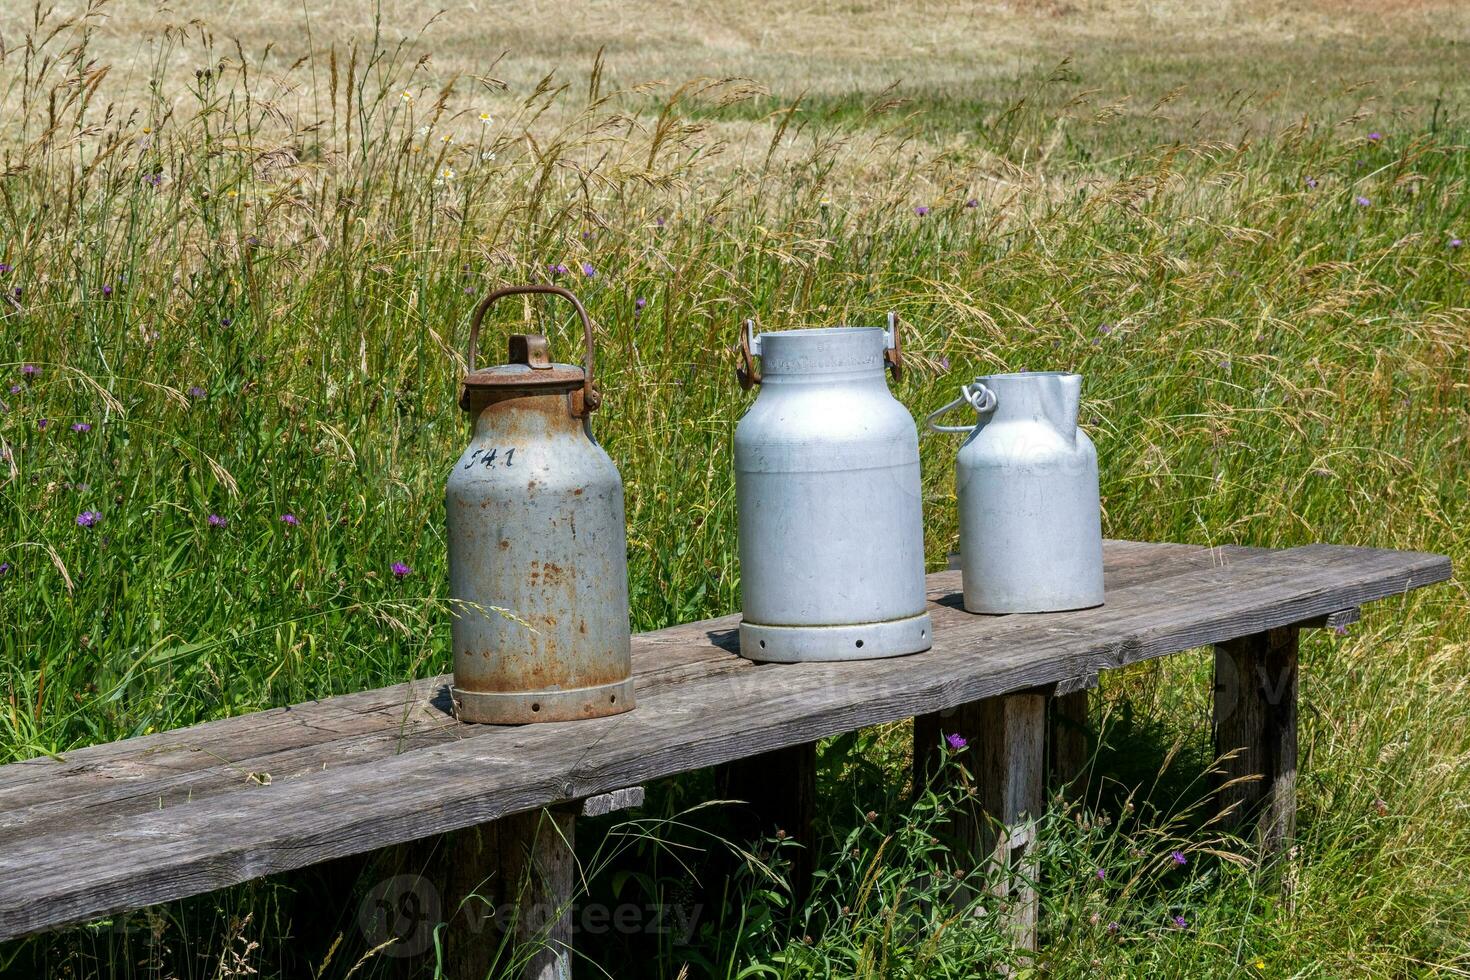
<point>526,707</point>
<point>860,641</point>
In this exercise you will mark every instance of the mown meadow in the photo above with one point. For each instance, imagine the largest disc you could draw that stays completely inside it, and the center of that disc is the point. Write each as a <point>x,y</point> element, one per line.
<point>235,299</point>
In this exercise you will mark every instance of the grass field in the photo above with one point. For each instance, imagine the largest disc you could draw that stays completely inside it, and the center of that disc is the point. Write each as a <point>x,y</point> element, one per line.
<point>236,280</point>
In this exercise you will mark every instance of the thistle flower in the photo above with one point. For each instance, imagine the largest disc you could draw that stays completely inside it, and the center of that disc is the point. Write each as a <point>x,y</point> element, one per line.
<point>217,521</point>
<point>587,270</point>
<point>921,210</point>
<point>1180,922</point>
<point>197,392</point>
<point>107,292</point>
<point>4,568</point>
<point>41,424</point>
<point>1374,137</point>
<point>81,427</point>
<point>659,221</point>
<point>1102,874</point>
<point>1113,928</point>
<point>956,741</point>
<point>400,570</point>
<point>1456,242</point>
<point>1178,858</point>
<point>289,520</point>
<point>88,518</point>
<point>29,370</point>
<point>4,268</point>
<point>557,269</point>
<point>1311,183</point>
<point>638,305</point>
<point>15,389</point>
<point>972,203</point>
<point>1361,201</point>
<point>225,321</point>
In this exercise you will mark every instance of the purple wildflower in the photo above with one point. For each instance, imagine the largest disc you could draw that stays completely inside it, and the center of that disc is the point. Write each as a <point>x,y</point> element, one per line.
<point>88,518</point>
<point>1102,874</point>
<point>956,741</point>
<point>400,570</point>
<point>944,362</point>
<point>557,269</point>
<point>17,292</point>
<point>289,520</point>
<point>921,210</point>
<point>1456,242</point>
<point>586,236</point>
<point>973,202</point>
<point>469,290</point>
<point>1340,629</point>
<point>225,321</point>
<point>29,370</point>
<point>4,568</point>
<point>81,427</point>
<point>659,221</point>
<point>1178,858</point>
<point>638,305</point>
<point>1374,137</point>
<point>217,521</point>
<point>1311,183</point>
<point>42,424</point>
<point>107,292</point>
<point>153,180</point>
<point>197,392</point>
<point>1113,928</point>
<point>1180,922</point>
<point>587,270</point>
<point>1361,201</point>
<point>15,389</point>
<point>4,268</point>
<point>1104,328</point>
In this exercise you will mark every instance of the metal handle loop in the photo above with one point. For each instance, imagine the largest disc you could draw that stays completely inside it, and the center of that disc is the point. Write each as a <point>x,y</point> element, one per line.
<point>893,348</point>
<point>746,372</point>
<point>591,398</point>
<point>976,395</point>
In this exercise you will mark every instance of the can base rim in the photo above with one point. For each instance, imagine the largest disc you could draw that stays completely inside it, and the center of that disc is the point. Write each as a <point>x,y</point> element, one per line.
<point>534,707</point>
<point>860,641</point>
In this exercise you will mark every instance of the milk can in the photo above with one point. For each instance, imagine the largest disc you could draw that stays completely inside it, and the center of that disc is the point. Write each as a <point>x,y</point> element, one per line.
<point>537,546</point>
<point>1030,522</point>
<point>827,488</point>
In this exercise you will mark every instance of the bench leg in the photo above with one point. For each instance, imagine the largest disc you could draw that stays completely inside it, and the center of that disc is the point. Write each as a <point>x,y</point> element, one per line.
<point>780,790</point>
<point>1069,748</point>
<point>519,868</point>
<point>1007,756</point>
<point>1255,733</point>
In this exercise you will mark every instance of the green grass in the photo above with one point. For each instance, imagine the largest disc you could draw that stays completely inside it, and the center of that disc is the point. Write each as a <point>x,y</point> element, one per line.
<point>1267,362</point>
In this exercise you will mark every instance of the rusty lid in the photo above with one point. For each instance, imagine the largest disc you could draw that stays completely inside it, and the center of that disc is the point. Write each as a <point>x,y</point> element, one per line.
<point>529,366</point>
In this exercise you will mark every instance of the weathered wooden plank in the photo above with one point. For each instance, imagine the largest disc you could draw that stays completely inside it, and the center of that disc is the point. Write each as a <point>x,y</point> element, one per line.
<point>151,772</point>
<point>198,846</point>
<point>1255,732</point>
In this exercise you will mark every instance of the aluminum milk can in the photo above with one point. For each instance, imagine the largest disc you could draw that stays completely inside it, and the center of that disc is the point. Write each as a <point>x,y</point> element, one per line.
<point>828,494</point>
<point>1030,521</point>
<point>537,546</point>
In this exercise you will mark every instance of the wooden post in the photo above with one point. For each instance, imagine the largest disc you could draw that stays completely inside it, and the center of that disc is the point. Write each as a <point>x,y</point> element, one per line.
<point>1006,753</point>
<point>1255,732</point>
<point>1069,745</point>
<point>780,790</point>
<point>519,869</point>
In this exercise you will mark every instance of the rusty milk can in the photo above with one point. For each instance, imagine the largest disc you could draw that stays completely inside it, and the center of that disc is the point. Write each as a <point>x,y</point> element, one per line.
<point>537,545</point>
<point>829,500</point>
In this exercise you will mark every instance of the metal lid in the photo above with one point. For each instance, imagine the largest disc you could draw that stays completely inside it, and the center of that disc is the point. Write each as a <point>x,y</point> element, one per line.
<point>530,367</point>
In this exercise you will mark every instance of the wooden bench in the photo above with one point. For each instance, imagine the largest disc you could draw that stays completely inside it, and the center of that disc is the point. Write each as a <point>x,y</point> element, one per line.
<point>160,817</point>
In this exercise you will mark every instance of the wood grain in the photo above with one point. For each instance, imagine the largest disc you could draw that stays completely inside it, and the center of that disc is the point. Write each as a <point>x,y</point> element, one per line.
<point>163,817</point>
<point>1255,716</point>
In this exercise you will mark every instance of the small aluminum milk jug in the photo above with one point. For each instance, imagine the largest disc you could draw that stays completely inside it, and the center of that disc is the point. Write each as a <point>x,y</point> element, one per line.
<point>1030,521</point>
<point>827,489</point>
<point>538,569</point>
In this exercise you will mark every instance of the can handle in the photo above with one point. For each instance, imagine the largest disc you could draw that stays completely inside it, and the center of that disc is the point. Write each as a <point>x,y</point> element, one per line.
<point>750,347</point>
<point>893,347</point>
<point>976,395</point>
<point>591,398</point>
